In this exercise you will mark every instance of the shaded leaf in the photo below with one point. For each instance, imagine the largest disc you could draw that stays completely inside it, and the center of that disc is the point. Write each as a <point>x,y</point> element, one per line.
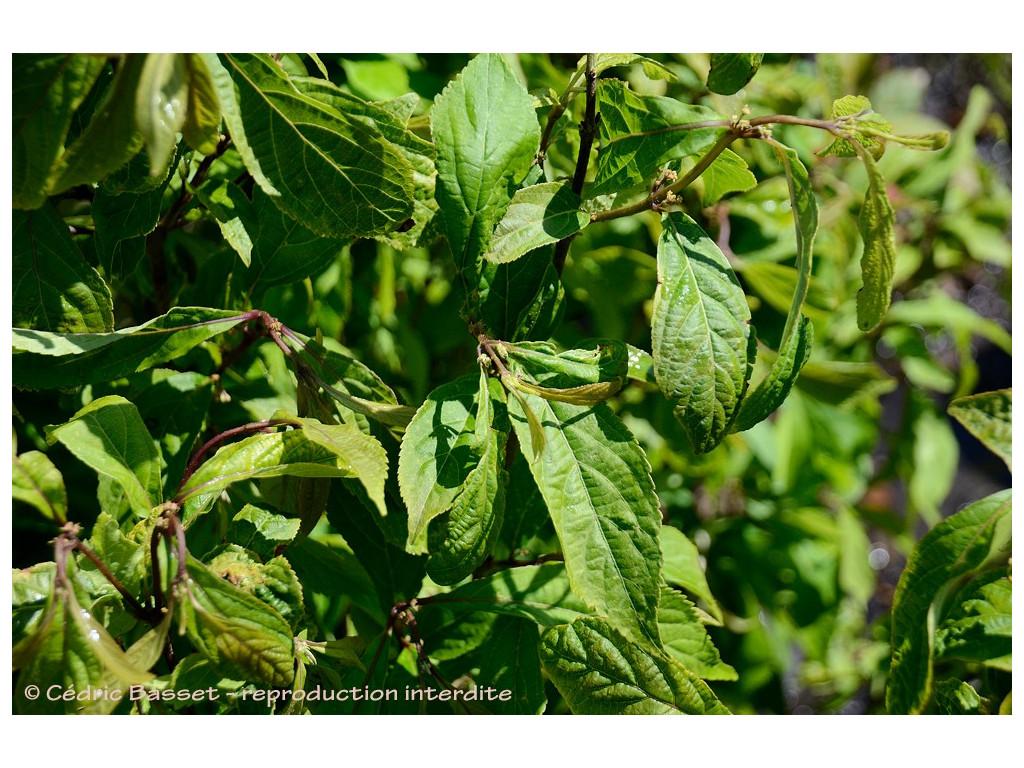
<point>954,697</point>
<point>46,91</point>
<point>54,288</point>
<point>731,71</point>
<point>50,360</point>
<point>512,663</point>
<point>161,104</point>
<point>201,128</point>
<point>111,139</point>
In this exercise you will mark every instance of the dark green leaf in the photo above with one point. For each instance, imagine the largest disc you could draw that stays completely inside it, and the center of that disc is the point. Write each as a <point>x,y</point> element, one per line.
<point>731,71</point>
<point>110,436</point>
<point>51,360</point>
<point>56,289</point>
<point>538,215</point>
<point>601,672</point>
<point>989,417</point>
<point>954,697</point>
<point>511,662</point>
<point>954,548</point>
<point>47,89</point>
<point>124,219</point>
<point>700,332</point>
<point>335,175</point>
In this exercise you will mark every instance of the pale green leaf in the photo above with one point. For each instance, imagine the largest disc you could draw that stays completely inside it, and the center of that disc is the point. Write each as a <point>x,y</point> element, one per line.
<point>954,548</point>
<point>687,640</point>
<point>798,333</point>
<point>46,91</point>
<point>596,482</point>
<point>109,436</point>
<point>989,417</point>
<point>727,174</point>
<point>700,332</point>
<point>472,523</point>
<point>201,128</point>
<point>37,482</point>
<point>273,582</point>
<point>877,224</point>
<point>50,360</point>
<point>53,287</point>
<point>538,215</point>
<point>243,636</point>
<point>979,625</point>
<point>437,455</point>
<point>601,672</point>
<point>335,175</point>
<point>234,214</point>
<point>655,70</point>
<point>111,139</point>
<point>161,103</point>
<point>731,71</point>
<point>683,568</point>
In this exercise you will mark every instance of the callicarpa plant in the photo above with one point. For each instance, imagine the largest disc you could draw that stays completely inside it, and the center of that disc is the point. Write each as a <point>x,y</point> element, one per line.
<point>601,383</point>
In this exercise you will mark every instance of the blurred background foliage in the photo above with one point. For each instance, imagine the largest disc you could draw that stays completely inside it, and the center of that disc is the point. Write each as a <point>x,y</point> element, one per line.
<point>805,521</point>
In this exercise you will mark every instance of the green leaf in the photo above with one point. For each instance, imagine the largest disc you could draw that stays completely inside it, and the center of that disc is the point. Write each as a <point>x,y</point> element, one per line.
<point>49,360</point>
<point>486,133</point>
<point>601,672</point>
<point>72,650</point>
<point>261,531</point>
<point>438,455</point>
<point>639,134</point>
<point>109,436</point>
<point>877,224</point>
<point>335,175</point>
<point>538,215</point>
<point>46,91</point>
<point>989,417</point>
<point>686,639</point>
<point>472,523</point>
<point>36,481</point>
<point>683,568</point>
<point>596,482</point>
<point>540,593</point>
<point>273,582</point>
<point>417,151</point>
<point>954,697</point>
<point>511,662</point>
<point>123,220</point>
<point>700,332</point>
<point>655,70</point>
<point>234,214</point>
<point>954,548</point>
<point>111,139</point>
<point>161,103</point>
<point>979,625</point>
<point>727,174</point>
<point>312,450</point>
<point>201,128</point>
<point>55,288</point>
<point>243,636</point>
<point>798,334</point>
<point>857,119</point>
<point>731,71</point>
